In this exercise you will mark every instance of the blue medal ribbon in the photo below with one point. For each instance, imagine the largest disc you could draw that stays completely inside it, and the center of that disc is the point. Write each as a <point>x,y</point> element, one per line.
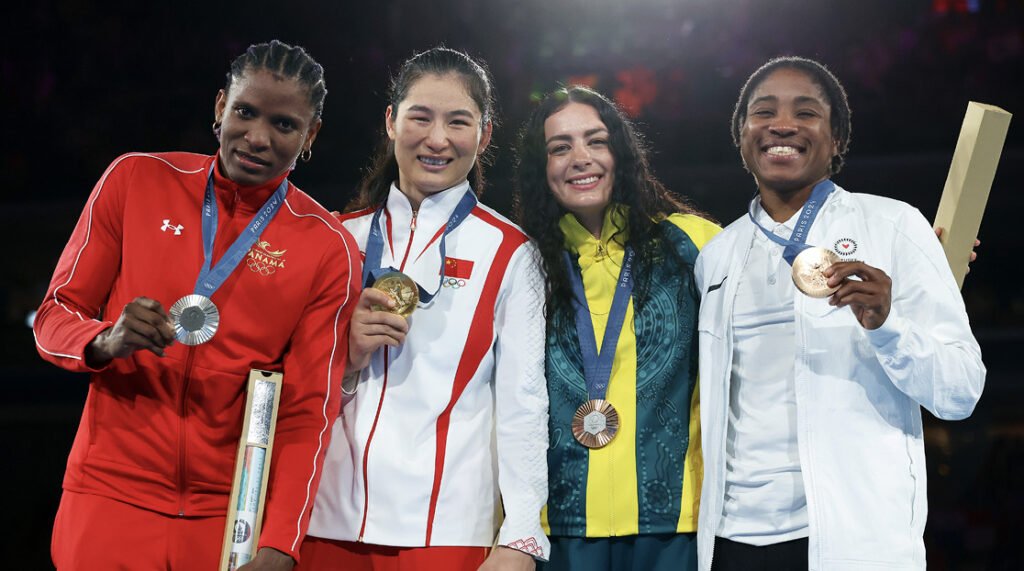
<point>375,245</point>
<point>796,242</point>
<point>597,367</point>
<point>210,279</point>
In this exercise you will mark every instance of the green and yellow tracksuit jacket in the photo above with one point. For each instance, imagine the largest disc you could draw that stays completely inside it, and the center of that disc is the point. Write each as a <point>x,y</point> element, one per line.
<point>647,479</point>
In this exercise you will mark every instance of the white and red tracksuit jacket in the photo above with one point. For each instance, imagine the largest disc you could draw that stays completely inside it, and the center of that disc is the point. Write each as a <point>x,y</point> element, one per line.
<point>162,433</point>
<point>450,427</point>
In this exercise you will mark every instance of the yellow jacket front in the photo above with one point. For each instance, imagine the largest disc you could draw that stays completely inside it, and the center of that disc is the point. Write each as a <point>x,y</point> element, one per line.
<point>647,479</point>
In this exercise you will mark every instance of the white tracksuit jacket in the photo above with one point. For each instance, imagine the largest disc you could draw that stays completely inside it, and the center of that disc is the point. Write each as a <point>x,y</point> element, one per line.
<point>858,392</point>
<point>449,428</point>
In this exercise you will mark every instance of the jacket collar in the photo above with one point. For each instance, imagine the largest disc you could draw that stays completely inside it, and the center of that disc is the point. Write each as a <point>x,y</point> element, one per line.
<point>242,199</point>
<point>837,200</point>
<point>614,232</point>
<point>434,210</point>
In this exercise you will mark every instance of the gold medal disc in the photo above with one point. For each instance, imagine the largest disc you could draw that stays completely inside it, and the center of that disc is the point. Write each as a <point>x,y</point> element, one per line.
<point>400,288</point>
<point>807,272</point>
<point>595,423</point>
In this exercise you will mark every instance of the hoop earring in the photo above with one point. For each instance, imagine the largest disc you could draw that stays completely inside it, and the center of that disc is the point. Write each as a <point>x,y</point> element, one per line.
<point>216,129</point>
<point>306,154</point>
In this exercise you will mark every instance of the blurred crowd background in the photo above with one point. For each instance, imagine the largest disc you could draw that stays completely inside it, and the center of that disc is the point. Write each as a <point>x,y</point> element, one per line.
<point>82,82</point>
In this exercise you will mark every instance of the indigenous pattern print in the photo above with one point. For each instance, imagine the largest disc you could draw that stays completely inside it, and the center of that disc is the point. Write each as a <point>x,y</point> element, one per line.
<point>664,326</point>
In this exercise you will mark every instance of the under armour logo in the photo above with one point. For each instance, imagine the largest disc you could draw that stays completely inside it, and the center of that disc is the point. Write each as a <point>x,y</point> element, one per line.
<point>167,226</point>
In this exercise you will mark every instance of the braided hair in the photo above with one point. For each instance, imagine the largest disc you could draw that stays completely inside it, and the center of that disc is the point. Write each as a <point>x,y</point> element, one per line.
<point>292,62</point>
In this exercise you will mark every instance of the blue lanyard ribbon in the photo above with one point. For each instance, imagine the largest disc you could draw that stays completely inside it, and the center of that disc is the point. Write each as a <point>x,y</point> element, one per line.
<point>597,368</point>
<point>375,245</point>
<point>796,242</point>
<point>210,280</point>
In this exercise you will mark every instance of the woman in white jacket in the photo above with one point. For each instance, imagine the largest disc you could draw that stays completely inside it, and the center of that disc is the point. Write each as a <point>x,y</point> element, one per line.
<point>439,455</point>
<point>811,385</point>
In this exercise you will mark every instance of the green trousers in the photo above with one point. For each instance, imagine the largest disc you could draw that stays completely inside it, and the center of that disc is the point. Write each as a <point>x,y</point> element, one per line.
<point>661,552</point>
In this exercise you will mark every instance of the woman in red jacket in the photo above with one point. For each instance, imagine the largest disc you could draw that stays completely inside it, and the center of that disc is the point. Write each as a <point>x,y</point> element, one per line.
<point>224,254</point>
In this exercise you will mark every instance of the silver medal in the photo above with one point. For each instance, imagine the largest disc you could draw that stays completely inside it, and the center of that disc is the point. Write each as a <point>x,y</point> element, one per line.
<point>195,319</point>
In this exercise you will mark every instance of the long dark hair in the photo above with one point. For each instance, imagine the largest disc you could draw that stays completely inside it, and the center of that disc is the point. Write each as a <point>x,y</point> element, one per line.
<point>440,61</point>
<point>635,186</point>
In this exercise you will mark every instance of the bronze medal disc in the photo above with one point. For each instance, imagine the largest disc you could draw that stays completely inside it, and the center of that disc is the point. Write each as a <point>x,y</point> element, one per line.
<point>595,423</point>
<point>807,272</point>
<point>400,288</point>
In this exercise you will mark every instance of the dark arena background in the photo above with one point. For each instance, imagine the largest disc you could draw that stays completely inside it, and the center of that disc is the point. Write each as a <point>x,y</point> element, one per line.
<point>83,82</point>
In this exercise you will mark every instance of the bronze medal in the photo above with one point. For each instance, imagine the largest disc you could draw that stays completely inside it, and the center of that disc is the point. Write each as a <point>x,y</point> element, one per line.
<point>400,288</point>
<point>807,272</point>
<point>595,423</point>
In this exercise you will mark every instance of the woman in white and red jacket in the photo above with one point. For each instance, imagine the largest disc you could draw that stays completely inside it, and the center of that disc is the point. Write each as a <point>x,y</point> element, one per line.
<point>150,472</point>
<point>447,430</point>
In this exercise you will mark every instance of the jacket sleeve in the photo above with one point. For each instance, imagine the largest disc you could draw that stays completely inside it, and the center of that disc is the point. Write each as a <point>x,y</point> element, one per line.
<point>522,404</point>
<point>699,271</point>
<point>925,345</point>
<point>70,315</point>
<point>701,232</point>
<point>310,398</point>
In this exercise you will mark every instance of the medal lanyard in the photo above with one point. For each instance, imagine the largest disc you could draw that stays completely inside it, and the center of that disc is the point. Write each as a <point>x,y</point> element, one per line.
<point>375,245</point>
<point>210,280</point>
<point>597,368</point>
<point>796,242</point>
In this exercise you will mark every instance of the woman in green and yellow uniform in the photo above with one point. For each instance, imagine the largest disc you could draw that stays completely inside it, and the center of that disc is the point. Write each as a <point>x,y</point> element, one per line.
<point>624,461</point>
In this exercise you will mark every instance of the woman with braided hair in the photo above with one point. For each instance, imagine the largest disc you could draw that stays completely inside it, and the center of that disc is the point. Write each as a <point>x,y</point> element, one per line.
<point>150,472</point>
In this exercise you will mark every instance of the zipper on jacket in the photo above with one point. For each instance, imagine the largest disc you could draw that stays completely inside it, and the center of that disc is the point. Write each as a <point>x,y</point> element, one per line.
<point>366,449</point>
<point>380,403</point>
<point>408,247</point>
<point>182,412</point>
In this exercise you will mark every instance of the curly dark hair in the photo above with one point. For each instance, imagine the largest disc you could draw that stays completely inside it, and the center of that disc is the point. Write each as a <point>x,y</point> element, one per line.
<point>839,118</point>
<point>635,186</point>
<point>440,61</point>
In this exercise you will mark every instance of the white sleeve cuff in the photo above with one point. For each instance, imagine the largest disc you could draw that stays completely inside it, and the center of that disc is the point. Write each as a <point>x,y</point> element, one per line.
<point>886,338</point>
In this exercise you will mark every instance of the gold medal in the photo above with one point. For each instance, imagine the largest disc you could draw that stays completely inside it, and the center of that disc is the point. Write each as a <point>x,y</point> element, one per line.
<point>595,423</point>
<point>807,271</point>
<point>400,288</point>
<point>195,318</point>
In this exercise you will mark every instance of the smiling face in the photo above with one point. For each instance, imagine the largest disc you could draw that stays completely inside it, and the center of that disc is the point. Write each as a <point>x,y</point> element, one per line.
<point>437,132</point>
<point>786,140</point>
<point>266,120</point>
<point>580,167</point>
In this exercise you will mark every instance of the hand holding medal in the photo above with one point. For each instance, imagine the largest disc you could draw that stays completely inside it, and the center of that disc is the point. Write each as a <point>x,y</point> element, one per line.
<point>402,290</point>
<point>870,297</point>
<point>143,324</point>
<point>389,296</point>
<point>808,272</point>
<point>375,324</point>
<point>818,272</point>
<point>195,317</point>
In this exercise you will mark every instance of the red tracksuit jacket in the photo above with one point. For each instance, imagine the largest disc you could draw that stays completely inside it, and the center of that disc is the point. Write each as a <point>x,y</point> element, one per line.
<point>162,433</point>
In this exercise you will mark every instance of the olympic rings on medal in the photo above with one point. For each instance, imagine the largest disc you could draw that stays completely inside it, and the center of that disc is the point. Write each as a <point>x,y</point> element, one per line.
<point>454,283</point>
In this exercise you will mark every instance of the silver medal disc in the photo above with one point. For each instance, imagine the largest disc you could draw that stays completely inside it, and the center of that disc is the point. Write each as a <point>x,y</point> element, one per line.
<point>195,319</point>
